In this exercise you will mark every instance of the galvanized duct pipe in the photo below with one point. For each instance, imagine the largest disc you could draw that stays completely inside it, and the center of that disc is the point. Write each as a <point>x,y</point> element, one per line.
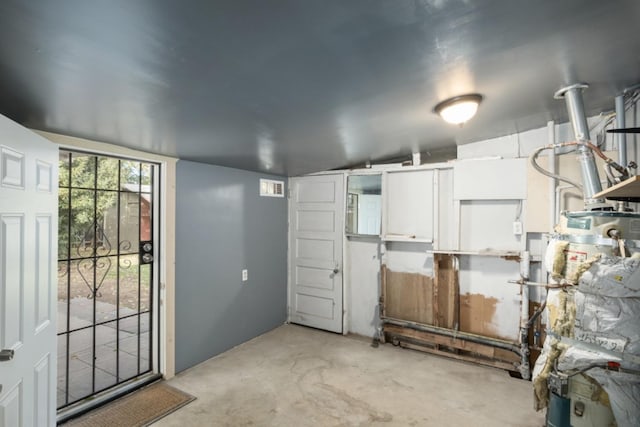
<point>464,336</point>
<point>621,137</point>
<point>525,266</point>
<point>590,178</point>
<point>551,139</point>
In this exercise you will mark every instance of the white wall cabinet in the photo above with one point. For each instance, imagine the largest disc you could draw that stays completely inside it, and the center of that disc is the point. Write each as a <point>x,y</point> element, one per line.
<point>409,206</point>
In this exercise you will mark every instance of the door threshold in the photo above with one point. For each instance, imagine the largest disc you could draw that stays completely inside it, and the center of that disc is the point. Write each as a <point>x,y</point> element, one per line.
<point>99,399</point>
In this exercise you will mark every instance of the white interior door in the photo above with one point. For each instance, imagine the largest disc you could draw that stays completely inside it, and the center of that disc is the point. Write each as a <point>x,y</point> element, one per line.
<point>315,248</point>
<point>28,253</point>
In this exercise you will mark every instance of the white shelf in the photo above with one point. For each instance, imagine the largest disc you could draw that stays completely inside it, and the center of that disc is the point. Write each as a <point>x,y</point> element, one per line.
<point>494,253</point>
<point>400,238</point>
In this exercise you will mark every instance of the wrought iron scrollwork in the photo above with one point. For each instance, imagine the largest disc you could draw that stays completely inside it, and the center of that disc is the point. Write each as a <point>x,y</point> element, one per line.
<point>96,266</point>
<point>63,269</point>
<point>125,246</point>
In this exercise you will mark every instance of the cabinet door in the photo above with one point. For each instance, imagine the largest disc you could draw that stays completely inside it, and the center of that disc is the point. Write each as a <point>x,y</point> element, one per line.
<point>409,206</point>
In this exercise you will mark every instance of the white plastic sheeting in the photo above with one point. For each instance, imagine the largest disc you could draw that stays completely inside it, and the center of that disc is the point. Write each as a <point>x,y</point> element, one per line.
<point>613,277</point>
<point>612,323</point>
<point>606,329</point>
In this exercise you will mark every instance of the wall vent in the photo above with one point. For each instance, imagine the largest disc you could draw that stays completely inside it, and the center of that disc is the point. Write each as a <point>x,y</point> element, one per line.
<point>271,188</point>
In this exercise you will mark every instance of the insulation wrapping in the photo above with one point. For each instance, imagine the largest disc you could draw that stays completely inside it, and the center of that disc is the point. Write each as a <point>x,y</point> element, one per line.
<point>555,259</point>
<point>595,323</point>
<point>611,323</point>
<point>624,395</point>
<point>561,315</point>
<point>612,277</point>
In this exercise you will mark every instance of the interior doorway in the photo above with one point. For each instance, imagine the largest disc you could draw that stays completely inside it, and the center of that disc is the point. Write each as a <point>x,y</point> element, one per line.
<point>316,212</point>
<point>108,317</point>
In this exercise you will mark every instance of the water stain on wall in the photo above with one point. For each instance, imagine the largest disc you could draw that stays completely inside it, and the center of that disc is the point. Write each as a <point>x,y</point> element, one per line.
<point>476,314</point>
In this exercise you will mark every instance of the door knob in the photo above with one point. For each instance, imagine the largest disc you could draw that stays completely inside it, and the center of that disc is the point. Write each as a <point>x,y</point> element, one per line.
<point>6,355</point>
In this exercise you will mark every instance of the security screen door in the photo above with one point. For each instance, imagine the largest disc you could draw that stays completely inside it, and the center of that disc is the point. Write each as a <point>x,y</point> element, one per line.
<point>106,273</point>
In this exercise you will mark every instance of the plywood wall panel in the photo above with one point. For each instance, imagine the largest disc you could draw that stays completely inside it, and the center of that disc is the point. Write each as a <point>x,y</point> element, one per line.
<point>408,296</point>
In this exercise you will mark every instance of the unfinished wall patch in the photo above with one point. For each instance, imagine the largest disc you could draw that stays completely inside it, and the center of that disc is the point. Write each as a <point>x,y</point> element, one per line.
<point>409,296</point>
<point>476,314</point>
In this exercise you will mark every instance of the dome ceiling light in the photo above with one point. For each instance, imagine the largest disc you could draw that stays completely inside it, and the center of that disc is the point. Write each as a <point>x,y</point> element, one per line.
<point>459,109</point>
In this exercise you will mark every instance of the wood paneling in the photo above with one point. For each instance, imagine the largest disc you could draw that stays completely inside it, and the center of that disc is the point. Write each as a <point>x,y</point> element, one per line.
<point>447,291</point>
<point>437,301</point>
<point>423,299</point>
<point>408,296</point>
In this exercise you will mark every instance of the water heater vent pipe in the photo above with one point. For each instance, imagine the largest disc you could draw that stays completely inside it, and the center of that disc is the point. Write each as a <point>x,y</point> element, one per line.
<point>621,137</point>
<point>591,180</point>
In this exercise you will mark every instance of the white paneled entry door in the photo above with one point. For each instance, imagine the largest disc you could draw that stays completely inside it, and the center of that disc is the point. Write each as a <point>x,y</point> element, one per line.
<point>315,251</point>
<point>28,253</point>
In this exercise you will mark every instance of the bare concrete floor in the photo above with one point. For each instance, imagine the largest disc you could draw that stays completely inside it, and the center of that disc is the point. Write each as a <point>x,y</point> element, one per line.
<point>296,376</point>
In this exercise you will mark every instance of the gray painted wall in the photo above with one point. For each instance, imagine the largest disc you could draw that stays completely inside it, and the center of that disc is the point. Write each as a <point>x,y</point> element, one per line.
<point>223,226</point>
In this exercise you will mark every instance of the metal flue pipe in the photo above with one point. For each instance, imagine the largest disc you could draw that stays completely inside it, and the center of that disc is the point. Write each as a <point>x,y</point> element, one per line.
<point>621,137</point>
<point>590,178</point>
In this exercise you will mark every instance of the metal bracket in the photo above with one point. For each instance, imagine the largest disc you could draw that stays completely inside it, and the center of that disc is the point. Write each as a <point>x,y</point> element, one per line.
<point>6,355</point>
<point>558,384</point>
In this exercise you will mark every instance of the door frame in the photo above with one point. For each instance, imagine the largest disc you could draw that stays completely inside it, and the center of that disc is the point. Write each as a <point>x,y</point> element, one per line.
<point>345,311</point>
<point>166,231</point>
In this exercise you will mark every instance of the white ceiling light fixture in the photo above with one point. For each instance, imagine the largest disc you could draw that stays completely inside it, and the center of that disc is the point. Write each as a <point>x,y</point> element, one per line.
<point>459,109</point>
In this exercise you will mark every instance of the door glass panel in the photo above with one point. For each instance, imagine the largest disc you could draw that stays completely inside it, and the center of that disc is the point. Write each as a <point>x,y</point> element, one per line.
<point>80,293</point>
<point>81,216</point>
<point>83,170</point>
<point>146,216</point>
<point>129,343</point>
<point>63,223</point>
<point>62,370</point>
<point>107,223</point>
<point>63,296</point>
<point>145,353</point>
<point>145,287</point>
<point>108,173</point>
<point>129,222</point>
<point>128,285</point>
<point>63,169</point>
<point>106,360</point>
<point>130,175</point>
<point>146,178</point>
<point>80,372</point>
<point>106,295</point>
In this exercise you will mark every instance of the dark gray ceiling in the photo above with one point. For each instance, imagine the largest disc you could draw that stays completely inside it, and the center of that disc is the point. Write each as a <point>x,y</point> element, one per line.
<point>296,86</point>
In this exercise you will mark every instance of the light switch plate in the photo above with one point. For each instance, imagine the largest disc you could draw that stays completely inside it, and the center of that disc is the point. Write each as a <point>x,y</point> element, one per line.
<point>245,275</point>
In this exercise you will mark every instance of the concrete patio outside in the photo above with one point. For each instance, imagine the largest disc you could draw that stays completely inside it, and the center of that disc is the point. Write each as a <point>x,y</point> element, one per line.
<point>107,353</point>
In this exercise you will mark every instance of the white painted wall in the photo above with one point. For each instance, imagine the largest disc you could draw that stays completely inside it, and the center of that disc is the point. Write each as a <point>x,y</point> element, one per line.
<point>362,283</point>
<point>484,224</point>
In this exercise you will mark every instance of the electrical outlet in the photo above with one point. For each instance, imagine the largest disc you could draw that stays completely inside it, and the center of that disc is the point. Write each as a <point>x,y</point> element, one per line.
<point>245,275</point>
<point>517,228</point>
